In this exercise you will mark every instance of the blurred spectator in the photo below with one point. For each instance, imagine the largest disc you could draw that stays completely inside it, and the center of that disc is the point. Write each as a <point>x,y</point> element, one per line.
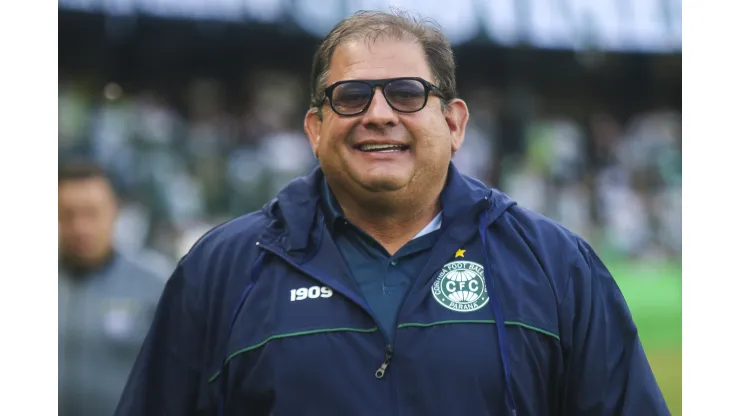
<point>479,157</point>
<point>106,300</point>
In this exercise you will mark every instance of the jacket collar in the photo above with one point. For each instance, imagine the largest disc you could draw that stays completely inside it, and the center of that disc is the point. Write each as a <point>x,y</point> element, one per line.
<point>300,209</point>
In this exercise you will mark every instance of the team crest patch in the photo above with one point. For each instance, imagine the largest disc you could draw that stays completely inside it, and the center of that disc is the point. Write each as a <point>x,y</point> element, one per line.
<point>461,287</point>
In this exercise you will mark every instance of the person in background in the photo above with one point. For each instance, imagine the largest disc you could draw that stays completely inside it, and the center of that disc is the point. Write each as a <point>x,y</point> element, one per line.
<point>106,301</point>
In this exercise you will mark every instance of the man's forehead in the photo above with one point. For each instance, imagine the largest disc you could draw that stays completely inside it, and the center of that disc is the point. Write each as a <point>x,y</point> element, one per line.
<point>378,59</point>
<point>85,188</point>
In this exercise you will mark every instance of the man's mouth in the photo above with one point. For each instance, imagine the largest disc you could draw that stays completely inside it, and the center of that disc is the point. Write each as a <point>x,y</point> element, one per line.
<point>382,148</point>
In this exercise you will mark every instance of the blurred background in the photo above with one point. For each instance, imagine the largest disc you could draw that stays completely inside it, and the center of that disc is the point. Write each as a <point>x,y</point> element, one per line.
<point>195,108</point>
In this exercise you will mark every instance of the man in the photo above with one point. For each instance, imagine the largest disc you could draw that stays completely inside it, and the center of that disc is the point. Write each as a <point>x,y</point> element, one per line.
<point>386,282</point>
<point>106,301</point>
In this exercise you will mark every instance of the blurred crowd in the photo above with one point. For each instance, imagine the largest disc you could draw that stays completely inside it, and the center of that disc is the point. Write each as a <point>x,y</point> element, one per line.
<point>182,164</point>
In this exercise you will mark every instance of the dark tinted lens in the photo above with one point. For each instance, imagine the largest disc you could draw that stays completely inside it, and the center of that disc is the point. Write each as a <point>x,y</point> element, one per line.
<point>406,94</point>
<point>351,97</point>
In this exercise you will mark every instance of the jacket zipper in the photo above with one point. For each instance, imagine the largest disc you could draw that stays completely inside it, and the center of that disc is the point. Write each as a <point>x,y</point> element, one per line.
<point>380,372</point>
<point>388,355</point>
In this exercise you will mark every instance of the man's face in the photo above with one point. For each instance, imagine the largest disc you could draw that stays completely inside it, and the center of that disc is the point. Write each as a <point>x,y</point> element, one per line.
<point>87,215</point>
<point>429,137</point>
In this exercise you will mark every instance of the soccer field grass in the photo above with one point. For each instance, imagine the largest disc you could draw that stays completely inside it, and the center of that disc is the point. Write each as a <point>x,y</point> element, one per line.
<point>654,296</point>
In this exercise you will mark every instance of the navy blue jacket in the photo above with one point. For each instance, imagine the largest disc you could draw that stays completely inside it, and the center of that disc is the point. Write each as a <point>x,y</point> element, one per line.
<point>262,317</point>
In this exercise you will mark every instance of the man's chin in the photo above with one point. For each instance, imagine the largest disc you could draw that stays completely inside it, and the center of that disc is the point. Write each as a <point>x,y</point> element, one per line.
<point>382,184</point>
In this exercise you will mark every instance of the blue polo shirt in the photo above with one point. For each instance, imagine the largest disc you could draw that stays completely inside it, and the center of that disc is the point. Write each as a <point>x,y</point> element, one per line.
<point>383,279</point>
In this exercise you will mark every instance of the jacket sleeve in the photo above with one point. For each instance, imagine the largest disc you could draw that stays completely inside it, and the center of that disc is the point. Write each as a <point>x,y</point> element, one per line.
<point>606,370</point>
<point>167,374</point>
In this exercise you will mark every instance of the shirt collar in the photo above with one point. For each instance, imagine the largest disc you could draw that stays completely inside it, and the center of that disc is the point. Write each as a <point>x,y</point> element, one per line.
<point>433,226</point>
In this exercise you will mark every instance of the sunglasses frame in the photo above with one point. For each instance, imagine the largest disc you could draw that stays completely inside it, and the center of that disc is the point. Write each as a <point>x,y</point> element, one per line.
<point>382,83</point>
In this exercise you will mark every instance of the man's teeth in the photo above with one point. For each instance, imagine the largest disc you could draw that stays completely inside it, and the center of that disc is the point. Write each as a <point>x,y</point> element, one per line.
<point>381,147</point>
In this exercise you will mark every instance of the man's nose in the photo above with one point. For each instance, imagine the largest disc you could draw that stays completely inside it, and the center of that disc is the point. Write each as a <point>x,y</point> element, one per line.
<point>380,113</point>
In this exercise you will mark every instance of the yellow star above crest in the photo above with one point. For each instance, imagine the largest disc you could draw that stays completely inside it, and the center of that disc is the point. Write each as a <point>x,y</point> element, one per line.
<point>460,253</point>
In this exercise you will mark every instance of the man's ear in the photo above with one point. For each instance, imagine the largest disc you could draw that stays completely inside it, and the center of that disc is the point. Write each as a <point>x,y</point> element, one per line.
<point>457,116</point>
<point>312,127</point>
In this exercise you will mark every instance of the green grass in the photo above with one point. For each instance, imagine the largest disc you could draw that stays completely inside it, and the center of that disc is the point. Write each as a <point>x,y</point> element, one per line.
<point>653,293</point>
<point>666,365</point>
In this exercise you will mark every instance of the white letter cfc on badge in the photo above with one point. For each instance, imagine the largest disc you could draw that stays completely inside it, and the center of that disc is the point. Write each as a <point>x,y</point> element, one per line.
<point>460,286</point>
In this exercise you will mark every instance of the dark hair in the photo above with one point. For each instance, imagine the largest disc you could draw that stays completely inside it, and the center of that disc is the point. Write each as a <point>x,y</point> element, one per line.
<point>395,25</point>
<point>79,170</point>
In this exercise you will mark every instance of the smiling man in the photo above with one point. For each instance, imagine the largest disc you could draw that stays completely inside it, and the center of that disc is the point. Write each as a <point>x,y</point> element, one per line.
<point>386,282</point>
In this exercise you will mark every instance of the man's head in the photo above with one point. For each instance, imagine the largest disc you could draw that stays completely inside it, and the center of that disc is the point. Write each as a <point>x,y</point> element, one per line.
<point>346,126</point>
<point>87,214</point>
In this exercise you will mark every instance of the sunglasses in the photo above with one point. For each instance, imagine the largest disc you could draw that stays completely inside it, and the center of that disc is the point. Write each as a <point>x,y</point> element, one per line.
<point>405,95</point>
